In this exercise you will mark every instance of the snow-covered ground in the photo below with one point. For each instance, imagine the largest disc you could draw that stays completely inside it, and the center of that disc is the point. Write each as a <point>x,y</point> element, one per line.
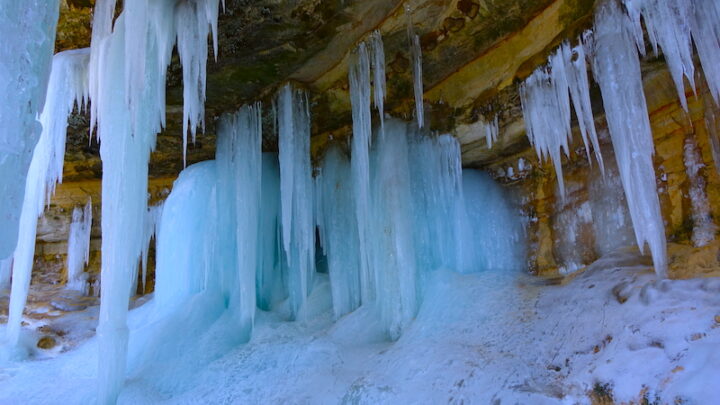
<point>479,338</point>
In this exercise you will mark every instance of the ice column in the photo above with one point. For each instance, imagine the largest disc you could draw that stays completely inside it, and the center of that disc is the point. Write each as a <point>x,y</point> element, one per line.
<point>78,253</point>
<point>67,86</point>
<point>338,231</point>
<point>393,222</point>
<point>27,29</point>
<point>239,160</point>
<point>359,78</point>
<point>617,70</point>
<point>704,229</point>
<point>296,186</point>
<point>272,264</point>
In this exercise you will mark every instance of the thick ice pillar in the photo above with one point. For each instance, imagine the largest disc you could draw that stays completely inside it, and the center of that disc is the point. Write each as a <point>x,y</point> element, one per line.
<point>27,29</point>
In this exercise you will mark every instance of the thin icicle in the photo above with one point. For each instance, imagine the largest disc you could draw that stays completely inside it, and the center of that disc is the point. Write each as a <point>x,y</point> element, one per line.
<point>5,270</point>
<point>150,230</point>
<point>378,62</point>
<point>617,70</point>
<point>492,130</point>
<point>706,34</point>
<point>78,253</point>
<point>416,56</point>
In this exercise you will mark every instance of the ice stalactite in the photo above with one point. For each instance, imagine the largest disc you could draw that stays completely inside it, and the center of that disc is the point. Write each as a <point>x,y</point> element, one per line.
<point>296,196</point>
<point>195,20</point>
<point>359,78</point>
<point>704,229</point>
<point>339,231</point>
<point>706,35</point>
<point>416,55</point>
<point>377,55</point>
<point>492,130</point>
<point>239,161</point>
<point>128,68</point>
<point>78,251</point>
<point>272,268</point>
<point>27,29</point>
<point>668,26</point>
<point>546,97</point>
<point>616,67</point>
<point>67,87</point>
<point>394,251</point>
<point>150,230</point>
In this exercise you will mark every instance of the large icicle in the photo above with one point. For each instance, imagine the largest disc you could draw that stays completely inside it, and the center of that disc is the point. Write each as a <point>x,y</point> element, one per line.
<point>27,29</point>
<point>239,195</point>
<point>67,86</point>
<point>359,78</point>
<point>617,70</point>
<point>296,187</point>
<point>78,253</point>
<point>668,25</point>
<point>338,231</point>
<point>706,34</point>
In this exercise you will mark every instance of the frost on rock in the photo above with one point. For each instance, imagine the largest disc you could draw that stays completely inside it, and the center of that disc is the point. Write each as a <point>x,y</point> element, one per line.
<point>78,253</point>
<point>617,70</point>
<point>67,87</point>
<point>27,29</point>
<point>704,229</point>
<point>296,191</point>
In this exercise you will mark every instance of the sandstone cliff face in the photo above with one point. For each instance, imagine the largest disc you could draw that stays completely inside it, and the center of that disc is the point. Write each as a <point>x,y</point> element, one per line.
<point>475,52</point>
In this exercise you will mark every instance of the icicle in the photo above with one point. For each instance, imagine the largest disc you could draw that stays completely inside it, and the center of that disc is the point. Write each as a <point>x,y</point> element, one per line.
<point>491,131</point>
<point>78,253</point>
<point>706,34</point>
<point>378,62</point>
<point>360,163</point>
<point>546,109</point>
<point>338,230</point>
<point>576,68</point>
<point>27,29</point>
<point>67,87</point>
<point>416,54</point>
<point>296,195</point>
<point>668,25</point>
<point>150,230</point>
<point>704,229</point>
<point>617,70</point>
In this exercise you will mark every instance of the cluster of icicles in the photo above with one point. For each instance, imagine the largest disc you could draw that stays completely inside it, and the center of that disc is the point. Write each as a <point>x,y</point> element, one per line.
<point>612,49</point>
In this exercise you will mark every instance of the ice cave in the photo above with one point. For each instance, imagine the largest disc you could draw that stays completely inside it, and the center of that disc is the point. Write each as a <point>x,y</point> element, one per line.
<point>360,202</point>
